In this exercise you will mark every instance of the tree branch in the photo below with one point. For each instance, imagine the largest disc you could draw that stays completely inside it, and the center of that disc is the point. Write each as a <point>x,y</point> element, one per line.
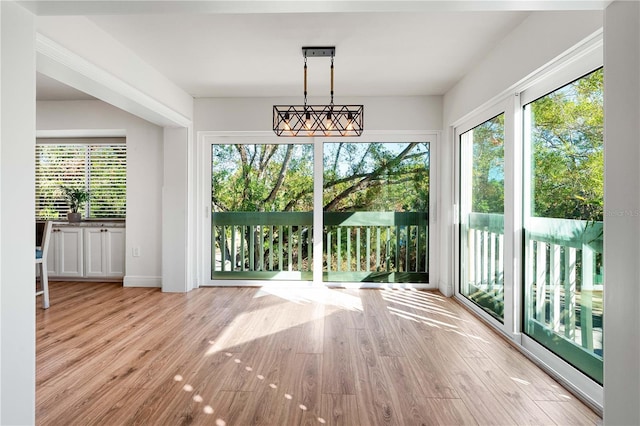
<point>283,170</point>
<point>358,185</point>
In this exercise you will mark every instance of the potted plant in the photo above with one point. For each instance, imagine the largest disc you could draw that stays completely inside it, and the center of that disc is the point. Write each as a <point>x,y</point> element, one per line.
<point>75,197</point>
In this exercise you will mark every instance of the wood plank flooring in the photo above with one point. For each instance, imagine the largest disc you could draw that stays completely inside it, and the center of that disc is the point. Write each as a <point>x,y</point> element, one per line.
<point>108,355</point>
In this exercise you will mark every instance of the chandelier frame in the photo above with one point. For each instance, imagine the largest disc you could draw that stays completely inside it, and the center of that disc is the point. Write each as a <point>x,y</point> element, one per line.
<point>318,120</point>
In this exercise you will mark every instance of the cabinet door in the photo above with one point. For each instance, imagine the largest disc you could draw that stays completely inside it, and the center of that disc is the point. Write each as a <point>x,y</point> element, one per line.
<point>69,255</point>
<point>104,252</point>
<point>115,250</point>
<point>53,255</point>
<point>94,252</point>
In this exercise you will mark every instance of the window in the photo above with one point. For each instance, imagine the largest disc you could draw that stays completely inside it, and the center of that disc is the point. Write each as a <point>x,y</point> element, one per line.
<point>482,216</point>
<point>99,167</point>
<point>376,211</point>
<point>563,213</point>
<point>261,204</point>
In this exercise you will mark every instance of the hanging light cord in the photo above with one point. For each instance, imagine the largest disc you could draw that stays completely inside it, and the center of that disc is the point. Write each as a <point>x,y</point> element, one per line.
<point>305,80</point>
<point>331,81</point>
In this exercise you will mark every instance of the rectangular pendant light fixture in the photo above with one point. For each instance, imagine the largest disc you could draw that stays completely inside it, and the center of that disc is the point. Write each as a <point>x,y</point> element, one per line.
<point>318,120</point>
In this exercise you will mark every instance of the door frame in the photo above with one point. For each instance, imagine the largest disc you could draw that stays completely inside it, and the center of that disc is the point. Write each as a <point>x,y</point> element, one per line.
<point>203,187</point>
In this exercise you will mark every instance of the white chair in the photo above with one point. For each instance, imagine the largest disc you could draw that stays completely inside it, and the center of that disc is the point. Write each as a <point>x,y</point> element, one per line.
<point>41,260</point>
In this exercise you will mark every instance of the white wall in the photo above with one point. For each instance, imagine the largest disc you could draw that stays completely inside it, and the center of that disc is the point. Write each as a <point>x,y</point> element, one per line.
<point>622,220</point>
<point>17,207</point>
<point>175,199</point>
<point>144,177</point>
<point>380,113</point>
<point>539,39</point>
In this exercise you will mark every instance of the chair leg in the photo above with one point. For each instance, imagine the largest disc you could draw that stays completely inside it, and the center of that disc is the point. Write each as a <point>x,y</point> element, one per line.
<point>44,278</point>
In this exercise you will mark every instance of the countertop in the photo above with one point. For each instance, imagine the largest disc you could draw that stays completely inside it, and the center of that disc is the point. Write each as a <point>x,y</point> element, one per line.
<point>92,224</point>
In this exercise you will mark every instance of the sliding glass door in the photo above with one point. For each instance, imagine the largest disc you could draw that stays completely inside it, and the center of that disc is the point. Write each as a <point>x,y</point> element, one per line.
<point>563,214</point>
<point>261,211</point>
<point>376,212</point>
<point>482,216</point>
<point>316,211</point>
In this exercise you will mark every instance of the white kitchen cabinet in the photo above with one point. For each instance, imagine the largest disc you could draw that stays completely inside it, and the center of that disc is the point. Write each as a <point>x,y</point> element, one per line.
<point>104,250</point>
<point>65,256</point>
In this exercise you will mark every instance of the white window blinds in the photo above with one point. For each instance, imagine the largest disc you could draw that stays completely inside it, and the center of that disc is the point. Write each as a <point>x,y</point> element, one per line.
<point>99,165</point>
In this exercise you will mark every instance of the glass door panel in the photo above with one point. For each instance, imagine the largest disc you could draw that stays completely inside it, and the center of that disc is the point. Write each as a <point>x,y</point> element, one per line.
<point>563,213</point>
<point>262,211</point>
<point>375,214</point>
<point>482,216</point>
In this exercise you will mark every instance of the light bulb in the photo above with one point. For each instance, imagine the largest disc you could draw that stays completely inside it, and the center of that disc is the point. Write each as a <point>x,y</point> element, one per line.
<point>307,121</point>
<point>286,125</point>
<point>329,122</point>
<point>349,121</point>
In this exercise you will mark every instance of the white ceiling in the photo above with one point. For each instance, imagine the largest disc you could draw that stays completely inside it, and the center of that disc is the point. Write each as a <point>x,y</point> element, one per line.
<point>238,55</point>
<point>247,49</point>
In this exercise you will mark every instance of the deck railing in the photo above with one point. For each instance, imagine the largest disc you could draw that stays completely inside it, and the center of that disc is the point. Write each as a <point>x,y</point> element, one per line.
<point>262,245</point>
<point>358,246</point>
<point>486,251</point>
<point>563,276</point>
<point>376,246</point>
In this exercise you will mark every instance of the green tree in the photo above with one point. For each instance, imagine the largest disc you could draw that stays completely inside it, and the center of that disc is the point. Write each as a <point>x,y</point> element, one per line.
<point>488,167</point>
<point>376,177</point>
<point>567,145</point>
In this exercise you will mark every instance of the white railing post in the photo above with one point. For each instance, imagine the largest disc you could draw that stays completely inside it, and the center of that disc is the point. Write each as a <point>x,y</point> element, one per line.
<point>500,268</point>
<point>554,283</point>
<point>541,282</point>
<point>492,261</point>
<point>570,293</point>
<point>586,297</point>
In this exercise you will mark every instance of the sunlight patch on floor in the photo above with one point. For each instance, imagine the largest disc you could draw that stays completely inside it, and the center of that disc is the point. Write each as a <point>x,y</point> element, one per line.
<point>424,319</point>
<point>324,296</point>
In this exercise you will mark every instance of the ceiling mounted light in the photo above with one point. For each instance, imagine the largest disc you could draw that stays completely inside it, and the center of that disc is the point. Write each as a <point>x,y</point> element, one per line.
<point>318,120</point>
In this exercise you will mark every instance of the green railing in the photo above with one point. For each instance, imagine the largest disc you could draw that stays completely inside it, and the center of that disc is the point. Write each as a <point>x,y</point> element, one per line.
<point>563,268</point>
<point>359,246</point>
<point>563,282</point>
<point>376,247</point>
<point>484,280</point>
<point>262,245</point>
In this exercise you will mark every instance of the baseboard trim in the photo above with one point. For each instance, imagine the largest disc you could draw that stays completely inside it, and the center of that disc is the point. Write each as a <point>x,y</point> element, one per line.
<point>142,281</point>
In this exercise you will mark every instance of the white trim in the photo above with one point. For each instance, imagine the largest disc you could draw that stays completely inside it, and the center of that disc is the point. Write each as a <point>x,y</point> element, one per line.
<point>81,141</point>
<point>478,311</point>
<point>588,390</point>
<point>289,7</point>
<point>60,63</point>
<point>496,109</point>
<point>586,60</point>
<point>318,192</point>
<point>82,133</point>
<point>141,281</point>
<point>310,284</point>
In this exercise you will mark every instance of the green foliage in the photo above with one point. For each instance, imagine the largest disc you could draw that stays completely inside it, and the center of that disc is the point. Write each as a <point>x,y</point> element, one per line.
<point>262,177</point>
<point>376,177</point>
<point>567,146</point>
<point>488,167</point>
<point>357,176</point>
<point>75,197</point>
<point>566,137</point>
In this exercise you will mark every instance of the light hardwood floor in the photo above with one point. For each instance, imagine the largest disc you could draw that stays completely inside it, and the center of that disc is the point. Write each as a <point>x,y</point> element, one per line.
<point>108,355</point>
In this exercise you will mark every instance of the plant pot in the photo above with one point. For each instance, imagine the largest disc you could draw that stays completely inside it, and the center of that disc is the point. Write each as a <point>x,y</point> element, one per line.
<point>74,217</point>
